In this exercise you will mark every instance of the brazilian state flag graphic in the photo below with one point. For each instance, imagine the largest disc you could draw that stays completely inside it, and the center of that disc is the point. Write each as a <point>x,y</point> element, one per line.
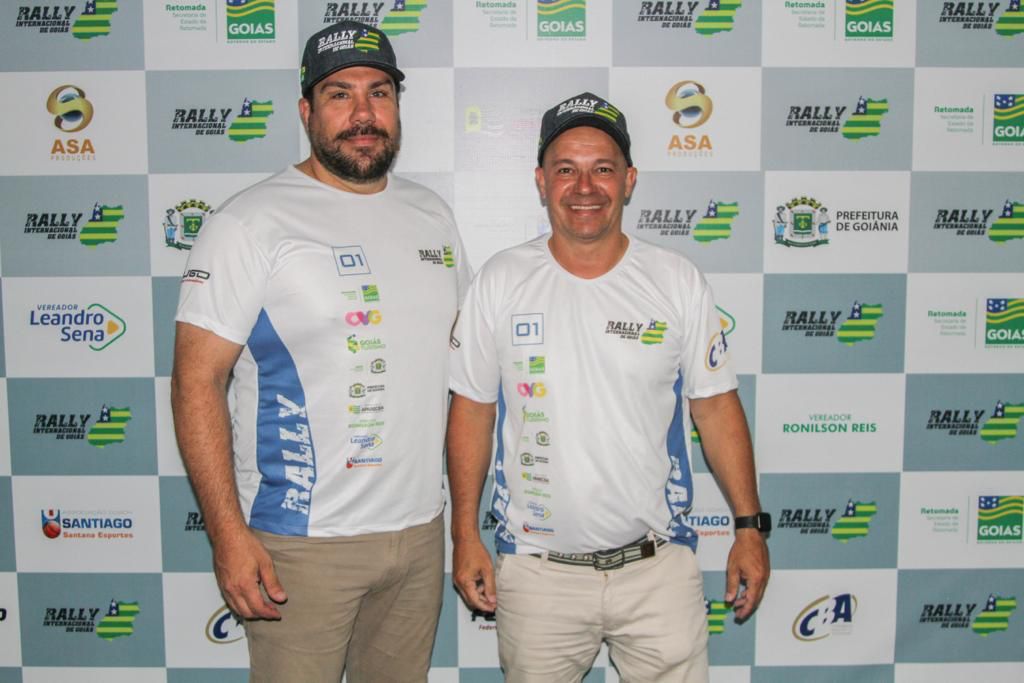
<point>717,222</point>
<point>447,256</point>
<point>368,41</point>
<point>860,326</point>
<point>1004,422</point>
<point>102,225</point>
<point>119,620</point>
<point>855,521</point>
<point>717,17</point>
<point>1009,225</point>
<point>404,17</point>
<point>561,18</point>
<point>1008,118</point>
<point>866,119</point>
<point>94,20</point>
<point>1004,322</point>
<point>110,428</point>
<point>717,611</point>
<point>995,616</point>
<point>250,19</point>
<point>251,123</point>
<point>1011,22</point>
<point>869,18</point>
<point>655,333</point>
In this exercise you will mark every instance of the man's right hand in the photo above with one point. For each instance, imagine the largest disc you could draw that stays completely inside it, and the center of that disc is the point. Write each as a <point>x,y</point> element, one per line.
<point>242,564</point>
<point>473,574</point>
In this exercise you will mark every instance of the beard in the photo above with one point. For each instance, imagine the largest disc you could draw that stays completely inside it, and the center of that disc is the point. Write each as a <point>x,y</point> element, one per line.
<point>362,166</point>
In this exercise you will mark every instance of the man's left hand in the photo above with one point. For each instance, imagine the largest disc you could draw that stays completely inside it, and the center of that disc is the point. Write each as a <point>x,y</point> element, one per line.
<point>748,564</point>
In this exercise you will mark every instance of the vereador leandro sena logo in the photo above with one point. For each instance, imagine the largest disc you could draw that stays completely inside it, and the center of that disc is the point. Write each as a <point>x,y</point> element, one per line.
<point>94,324</point>
<point>869,19</point>
<point>1008,119</point>
<point>1004,323</point>
<point>1000,519</point>
<point>250,20</point>
<point>561,18</point>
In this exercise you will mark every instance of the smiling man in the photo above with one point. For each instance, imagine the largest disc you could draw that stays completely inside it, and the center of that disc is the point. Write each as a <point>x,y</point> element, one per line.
<point>594,349</point>
<point>321,302</point>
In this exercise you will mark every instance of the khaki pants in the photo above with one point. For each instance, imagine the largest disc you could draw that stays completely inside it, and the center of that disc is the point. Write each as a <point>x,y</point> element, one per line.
<point>552,618</point>
<point>367,605</point>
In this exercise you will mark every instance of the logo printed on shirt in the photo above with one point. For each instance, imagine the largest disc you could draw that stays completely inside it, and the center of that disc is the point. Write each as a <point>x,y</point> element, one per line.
<point>527,329</point>
<point>350,260</point>
<point>362,318</point>
<point>444,256</point>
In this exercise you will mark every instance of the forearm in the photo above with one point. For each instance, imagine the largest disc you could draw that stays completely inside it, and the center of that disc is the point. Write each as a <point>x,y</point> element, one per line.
<point>725,440</point>
<point>470,425</point>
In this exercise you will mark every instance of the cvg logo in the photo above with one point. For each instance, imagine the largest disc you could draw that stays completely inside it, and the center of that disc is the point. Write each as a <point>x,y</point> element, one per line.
<point>825,616</point>
<point>359,318</point>
<point>532,390</point>
<point>224,628</point>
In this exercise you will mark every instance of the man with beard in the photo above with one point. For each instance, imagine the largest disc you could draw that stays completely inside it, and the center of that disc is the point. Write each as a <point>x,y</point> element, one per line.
<point>321,301</point>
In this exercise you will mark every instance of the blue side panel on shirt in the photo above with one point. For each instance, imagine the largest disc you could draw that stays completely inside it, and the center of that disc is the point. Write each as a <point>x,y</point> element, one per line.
<point>679,487</point>
<point>504,541</point>
<point>284,444</point>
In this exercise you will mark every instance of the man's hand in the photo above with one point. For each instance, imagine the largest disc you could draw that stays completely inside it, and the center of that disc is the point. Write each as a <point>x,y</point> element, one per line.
<point>242,564</point>
<point>747,564</point>
<point>473,574</point>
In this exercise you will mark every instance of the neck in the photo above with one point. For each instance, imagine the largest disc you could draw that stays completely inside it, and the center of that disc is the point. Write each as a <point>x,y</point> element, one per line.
<point>314,169</point>
<point>588,260</point>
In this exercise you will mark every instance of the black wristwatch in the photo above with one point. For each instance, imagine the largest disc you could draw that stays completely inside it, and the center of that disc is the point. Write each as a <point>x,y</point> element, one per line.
<point>762,521</point>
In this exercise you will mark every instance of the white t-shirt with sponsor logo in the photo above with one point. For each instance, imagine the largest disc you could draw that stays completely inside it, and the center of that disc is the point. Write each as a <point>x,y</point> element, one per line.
<point>592,379</point>
<point>344,304</point>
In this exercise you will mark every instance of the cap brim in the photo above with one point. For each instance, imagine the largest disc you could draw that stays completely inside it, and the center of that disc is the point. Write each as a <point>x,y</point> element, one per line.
<point>392,71</point>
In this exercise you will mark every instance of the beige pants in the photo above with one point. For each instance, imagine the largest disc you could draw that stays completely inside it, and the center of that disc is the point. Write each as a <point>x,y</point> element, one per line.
<point>553,617</point>
<point>367,605</point>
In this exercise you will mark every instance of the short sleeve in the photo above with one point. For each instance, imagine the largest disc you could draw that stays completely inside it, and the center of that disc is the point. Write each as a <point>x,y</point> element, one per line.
<point>463,269</point>
<point>704,356</point>
<point>223,287</point>
<point>474,368</point>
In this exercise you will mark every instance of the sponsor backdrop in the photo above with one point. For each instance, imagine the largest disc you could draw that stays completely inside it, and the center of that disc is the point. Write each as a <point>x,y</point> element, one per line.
<point>849,173</point>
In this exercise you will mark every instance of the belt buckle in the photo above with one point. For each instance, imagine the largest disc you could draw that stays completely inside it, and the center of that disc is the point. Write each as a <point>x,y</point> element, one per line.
<point>607,560</point>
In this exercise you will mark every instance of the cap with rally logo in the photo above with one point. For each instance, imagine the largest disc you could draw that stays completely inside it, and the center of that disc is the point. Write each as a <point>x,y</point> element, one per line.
<point>345,44</point>
<point>585,109</point>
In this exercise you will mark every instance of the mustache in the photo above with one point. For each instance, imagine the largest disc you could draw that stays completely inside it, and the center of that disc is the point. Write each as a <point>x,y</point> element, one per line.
<point>366,129</point>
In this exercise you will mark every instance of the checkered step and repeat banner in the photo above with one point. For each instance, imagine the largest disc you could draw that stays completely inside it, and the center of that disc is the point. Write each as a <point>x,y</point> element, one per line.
<point>850,176</point>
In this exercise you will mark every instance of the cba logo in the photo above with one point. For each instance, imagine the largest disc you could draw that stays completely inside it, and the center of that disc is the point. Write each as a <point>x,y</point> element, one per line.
<point>715,358</point>
<point>1000,519</point>
<point>71,110</point>
<point>691,105</point>
<point>250,20</point>
<point>183,223</point>
<point>224,628</point>
<point>826,616</point>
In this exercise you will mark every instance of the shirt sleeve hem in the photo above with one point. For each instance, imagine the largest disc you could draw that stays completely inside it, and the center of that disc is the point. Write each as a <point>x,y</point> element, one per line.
<point>213,326</point>
<point>713,390</point>
<point>462,390</point>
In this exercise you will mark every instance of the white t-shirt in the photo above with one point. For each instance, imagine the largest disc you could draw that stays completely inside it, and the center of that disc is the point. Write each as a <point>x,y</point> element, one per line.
<point>592,379</point>
<point>344,304</point>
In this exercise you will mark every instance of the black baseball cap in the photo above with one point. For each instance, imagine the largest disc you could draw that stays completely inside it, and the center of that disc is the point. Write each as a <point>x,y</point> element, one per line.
<point>345,44</point>
<point>585,109</point>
